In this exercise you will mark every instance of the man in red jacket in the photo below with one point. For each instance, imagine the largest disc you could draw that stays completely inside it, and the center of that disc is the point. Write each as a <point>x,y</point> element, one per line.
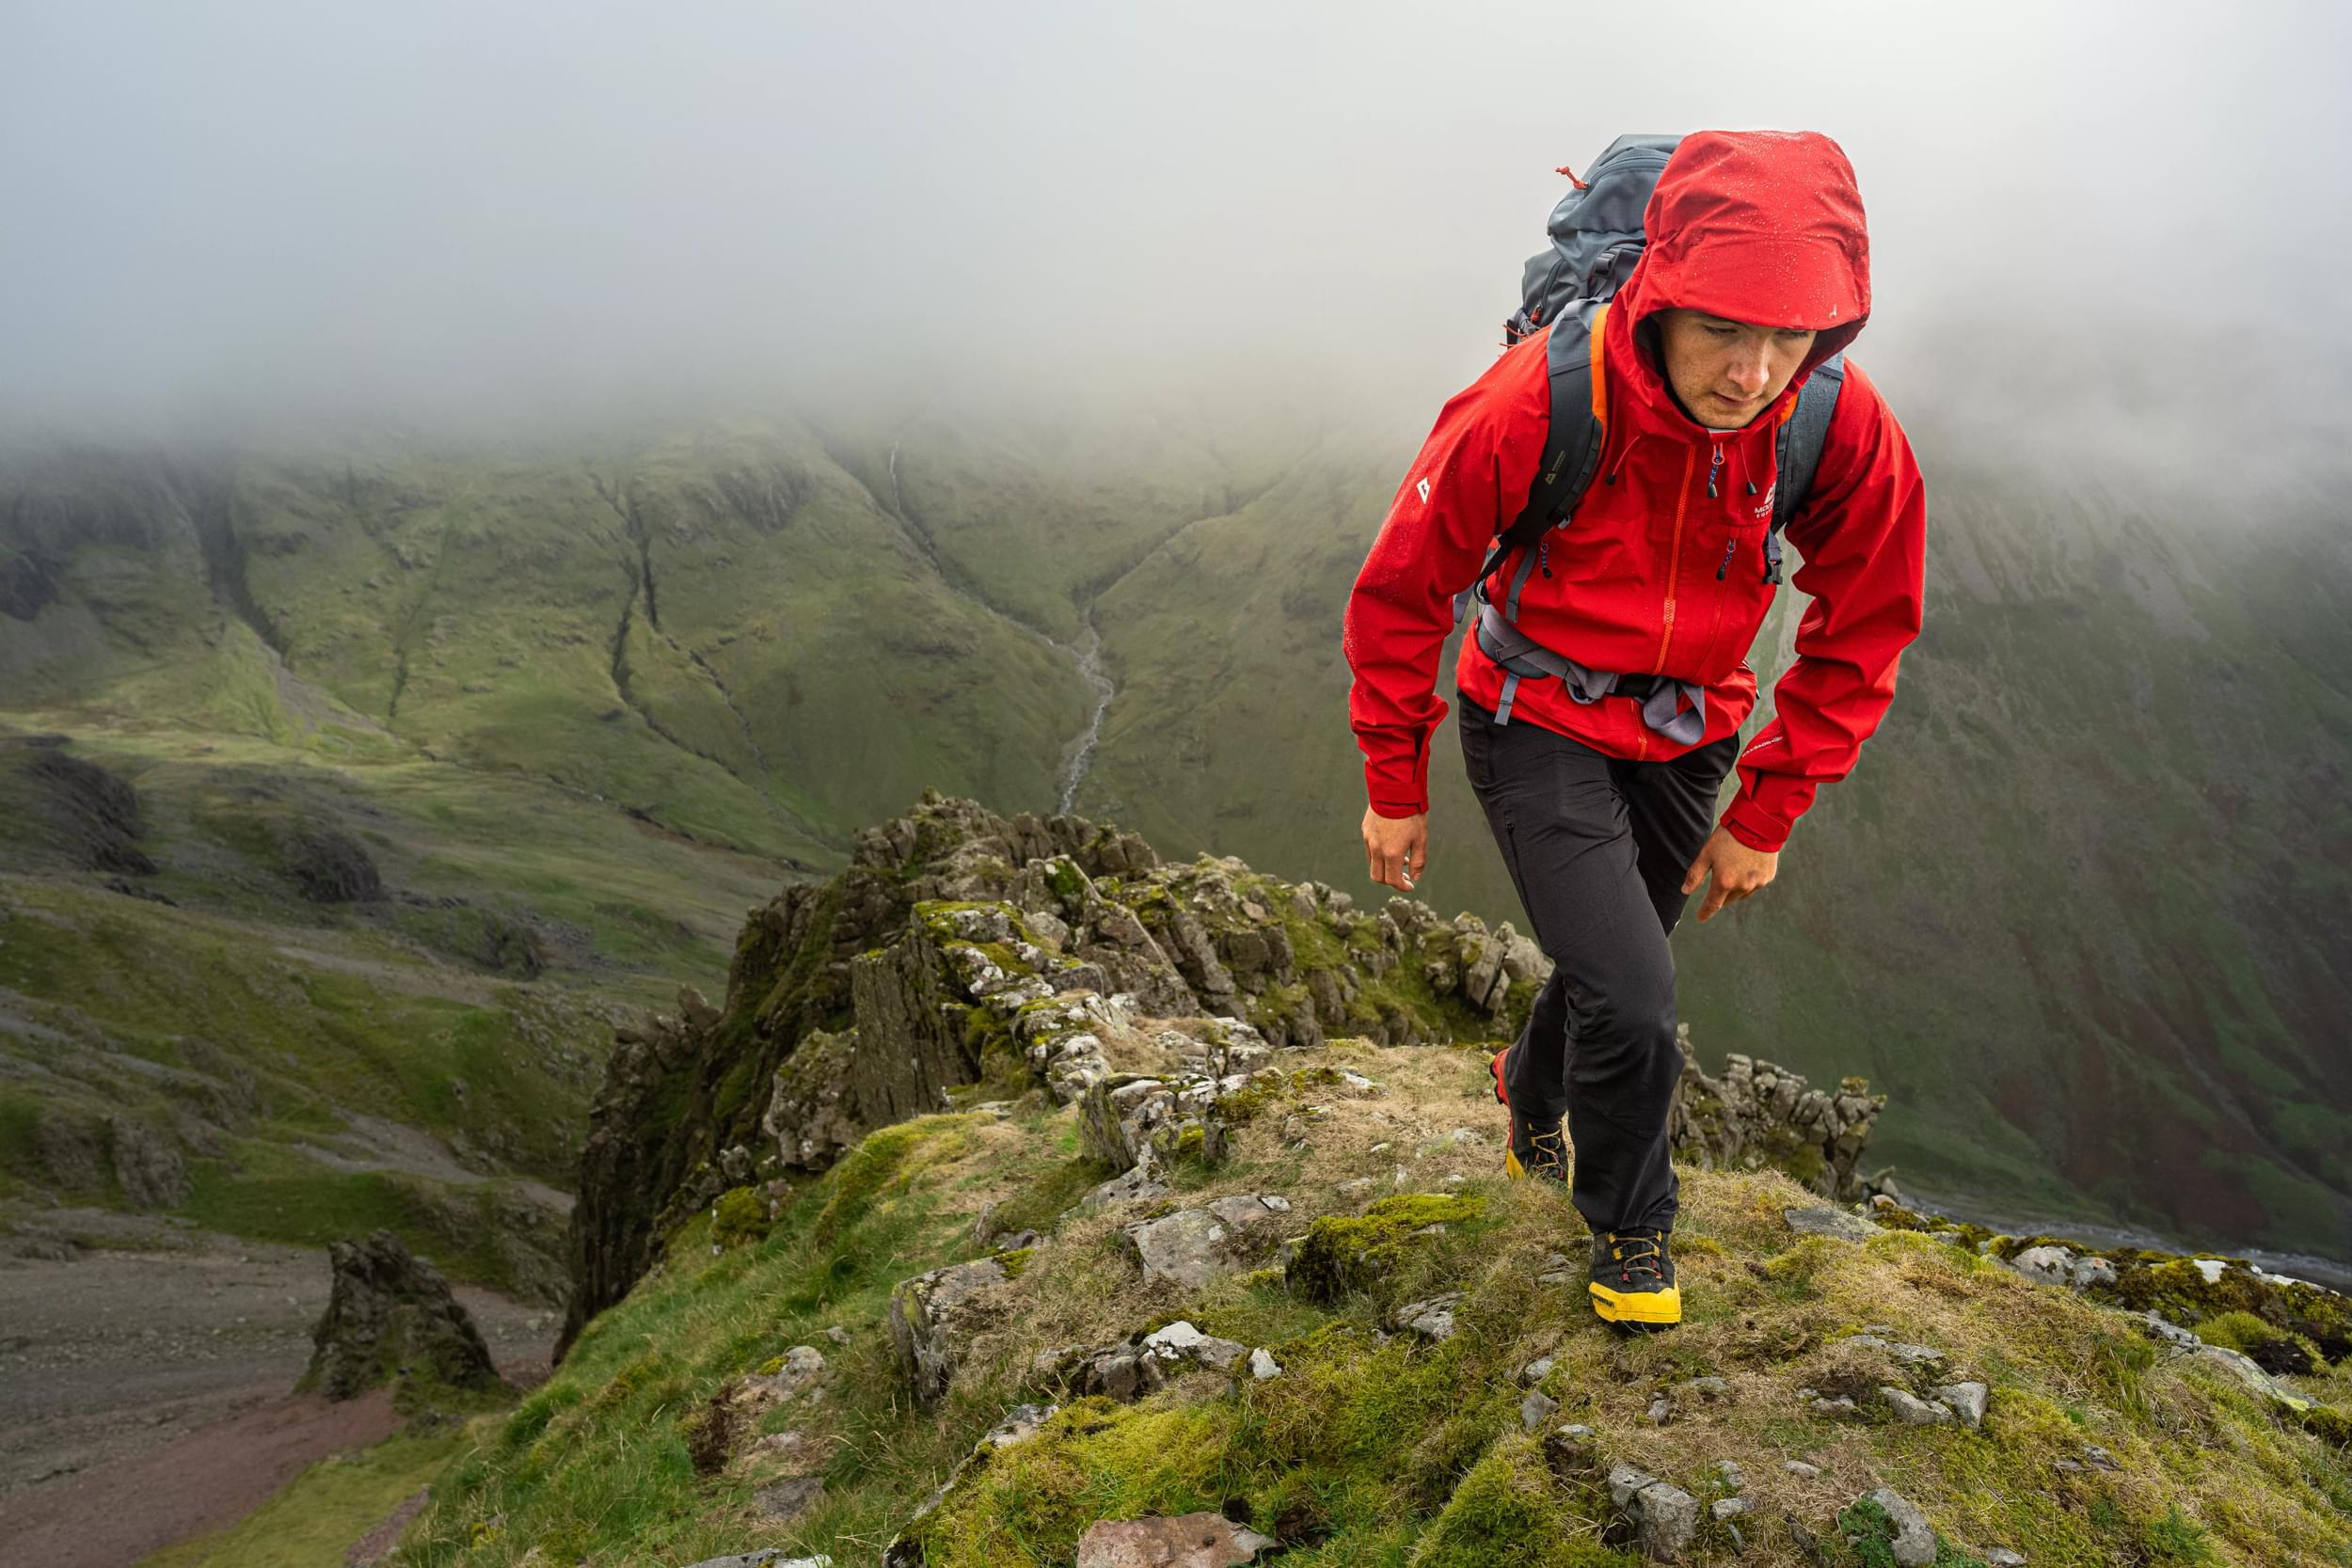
<point>1757,270</point>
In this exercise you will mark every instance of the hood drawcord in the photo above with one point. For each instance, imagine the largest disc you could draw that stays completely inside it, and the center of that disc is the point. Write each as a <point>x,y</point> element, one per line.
<point>1626,450</point>
<point>1714,467</point>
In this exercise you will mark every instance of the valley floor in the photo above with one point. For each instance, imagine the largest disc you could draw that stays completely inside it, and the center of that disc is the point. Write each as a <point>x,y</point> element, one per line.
<point>144,1387</point>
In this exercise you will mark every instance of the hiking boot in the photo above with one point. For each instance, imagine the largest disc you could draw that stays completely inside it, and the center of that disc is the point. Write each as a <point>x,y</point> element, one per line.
<point>1541,1152</point>
<point>1634,1279</point>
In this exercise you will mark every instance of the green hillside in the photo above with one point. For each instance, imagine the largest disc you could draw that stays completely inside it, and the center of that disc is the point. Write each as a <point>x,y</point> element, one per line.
<point>2079,910</point>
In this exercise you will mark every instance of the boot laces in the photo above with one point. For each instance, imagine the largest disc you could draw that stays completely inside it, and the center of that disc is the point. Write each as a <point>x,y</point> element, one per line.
<point>1637,1252</point>
<point>1551,1147</point>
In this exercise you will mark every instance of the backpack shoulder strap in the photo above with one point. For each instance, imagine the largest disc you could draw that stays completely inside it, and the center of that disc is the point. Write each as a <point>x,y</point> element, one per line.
<point>1802,438</point>
<point>1572,446</point>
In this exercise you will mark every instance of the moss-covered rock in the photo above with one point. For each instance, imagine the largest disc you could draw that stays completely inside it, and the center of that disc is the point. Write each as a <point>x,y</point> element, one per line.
<point>1341,1253</point>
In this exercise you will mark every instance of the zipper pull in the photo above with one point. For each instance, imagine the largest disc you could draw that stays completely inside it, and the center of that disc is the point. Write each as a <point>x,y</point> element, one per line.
<point>1729,545</point>
<point>1713,469</point>
<point>1543,555</point>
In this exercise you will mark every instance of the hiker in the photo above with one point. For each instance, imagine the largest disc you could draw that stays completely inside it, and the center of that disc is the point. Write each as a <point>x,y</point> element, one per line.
<point>1641,450</point>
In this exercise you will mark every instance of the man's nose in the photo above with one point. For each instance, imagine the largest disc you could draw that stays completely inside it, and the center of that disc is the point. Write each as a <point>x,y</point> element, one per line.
<point>1750,373</point>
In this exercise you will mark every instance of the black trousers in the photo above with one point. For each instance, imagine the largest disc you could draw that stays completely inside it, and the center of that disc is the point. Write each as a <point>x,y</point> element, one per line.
<point>1598,848</point>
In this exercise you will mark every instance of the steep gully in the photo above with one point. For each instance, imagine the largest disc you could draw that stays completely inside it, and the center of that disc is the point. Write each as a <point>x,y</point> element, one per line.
<point>639,546</point>
<point>1086,655</point>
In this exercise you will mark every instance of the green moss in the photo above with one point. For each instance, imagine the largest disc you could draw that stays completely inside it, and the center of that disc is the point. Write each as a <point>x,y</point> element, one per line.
<point>1014,1261</point>
<point>738,1218</point>
<point>1508,1513</point>
<point>1340,1253</point>
<point>1867,1533</point>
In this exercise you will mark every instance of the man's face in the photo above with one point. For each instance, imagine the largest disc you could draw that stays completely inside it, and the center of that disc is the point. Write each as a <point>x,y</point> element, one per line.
<point>1726,373</point>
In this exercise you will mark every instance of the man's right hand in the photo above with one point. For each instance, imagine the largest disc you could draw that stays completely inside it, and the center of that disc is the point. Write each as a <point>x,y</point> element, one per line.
<point>1397,849</point>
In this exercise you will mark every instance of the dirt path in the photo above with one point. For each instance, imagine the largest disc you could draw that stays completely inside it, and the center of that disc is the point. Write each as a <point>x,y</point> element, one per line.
<point>203,1481</point>
<point>144,1394</point>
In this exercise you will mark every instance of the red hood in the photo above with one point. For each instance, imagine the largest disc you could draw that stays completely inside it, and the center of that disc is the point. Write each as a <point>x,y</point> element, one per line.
<point>1753,226</point>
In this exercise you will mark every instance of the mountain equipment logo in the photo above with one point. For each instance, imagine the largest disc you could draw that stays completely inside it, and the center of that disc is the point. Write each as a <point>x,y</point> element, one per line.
<point>1423,488</point>
<point>1766,509</point>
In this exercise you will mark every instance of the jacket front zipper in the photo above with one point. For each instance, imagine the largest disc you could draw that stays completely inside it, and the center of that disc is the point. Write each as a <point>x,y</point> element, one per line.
<point>1674,560</point>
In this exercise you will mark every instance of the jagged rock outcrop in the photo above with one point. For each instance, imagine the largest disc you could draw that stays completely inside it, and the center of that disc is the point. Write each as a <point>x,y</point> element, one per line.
<point>1758,1114</point>
<point>391,1316</point>
<point>961,947</point>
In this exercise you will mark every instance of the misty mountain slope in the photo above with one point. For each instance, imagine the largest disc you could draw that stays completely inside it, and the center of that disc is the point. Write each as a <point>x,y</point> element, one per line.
<point>291,1000</point>
<point>1035,518</point>
<point>2079,902</point>
<point>1230,723</point>
<point>2079,908</point>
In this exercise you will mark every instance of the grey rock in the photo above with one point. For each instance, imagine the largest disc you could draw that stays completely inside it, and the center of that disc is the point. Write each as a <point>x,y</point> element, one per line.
<point>930,1319</point>
<point>1020,1424</point>
<point>802,1367</point>
<point>1536,1410</point>
<point>387,1310</point>
<point>1914,1538</point>
<point>2098,1458</point>
<point>1248,1208</point>
<point>1185,1248</point>
<point>1821,1220</point>
<point>1914,1410</point>
<point>2005,1557</point>
<point>1432,1318</point>
<point>1732,1475</point>
<point>1139,1183</point>
<point>1263,1365</point>
<point>1187,1541</point>
<point>787,1499</point>
<point>1625,1483</point>
<point>1729,1508</point>
<point>2169,1332</point>
<point>1535,1371</point>
<point>1703,1388</point>
<point>2045,1265</point>
<point>1967,1401</point>
<point>2091,1271</point>
<point>1800,1469</point>
<point>1181,1341</point>
<point>2242,1367</point>
<point>1661,1410</point>
<point>148,1167</point>
<point>1669,1520</point>
<point>1123,1372</point>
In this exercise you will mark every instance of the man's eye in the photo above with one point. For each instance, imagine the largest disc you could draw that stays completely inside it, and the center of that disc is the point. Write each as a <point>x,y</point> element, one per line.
<point>1722,332</point>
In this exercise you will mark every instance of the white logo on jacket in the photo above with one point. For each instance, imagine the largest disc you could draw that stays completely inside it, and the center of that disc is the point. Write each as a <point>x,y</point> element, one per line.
<point>1764,509</point>
<point>1423,488</point>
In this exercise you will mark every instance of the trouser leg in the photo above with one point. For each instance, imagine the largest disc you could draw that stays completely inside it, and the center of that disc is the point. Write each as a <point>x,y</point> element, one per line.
<point>1596,848</point>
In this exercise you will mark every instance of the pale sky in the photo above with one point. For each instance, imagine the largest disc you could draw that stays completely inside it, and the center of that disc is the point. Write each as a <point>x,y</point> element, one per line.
<point>484,207</point>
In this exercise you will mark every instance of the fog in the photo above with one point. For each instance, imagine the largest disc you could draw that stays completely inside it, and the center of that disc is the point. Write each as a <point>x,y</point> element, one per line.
<point>463,214</point>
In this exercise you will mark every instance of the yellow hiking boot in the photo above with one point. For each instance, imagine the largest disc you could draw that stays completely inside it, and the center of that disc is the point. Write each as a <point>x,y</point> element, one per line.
<point>1634,1279</point>
<point>1541,1152</point>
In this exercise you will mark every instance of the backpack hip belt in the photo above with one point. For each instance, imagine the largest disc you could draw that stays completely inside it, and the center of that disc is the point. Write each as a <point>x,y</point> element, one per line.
<point>1522,658</point>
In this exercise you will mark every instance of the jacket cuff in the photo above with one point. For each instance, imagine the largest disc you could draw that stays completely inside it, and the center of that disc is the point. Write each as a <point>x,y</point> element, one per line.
<point>1388,805</point>
<point>1754,826</point>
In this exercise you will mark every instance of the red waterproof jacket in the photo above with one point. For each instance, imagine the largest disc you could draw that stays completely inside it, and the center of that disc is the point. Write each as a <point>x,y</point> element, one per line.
<point>1652,575</point>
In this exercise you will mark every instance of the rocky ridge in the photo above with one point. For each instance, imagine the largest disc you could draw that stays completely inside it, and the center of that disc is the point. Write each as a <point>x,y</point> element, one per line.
<point>1051,1259</point>
<point>964,948</point>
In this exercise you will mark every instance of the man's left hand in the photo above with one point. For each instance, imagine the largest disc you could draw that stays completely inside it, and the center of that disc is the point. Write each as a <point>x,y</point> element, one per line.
<point>1739,871</point>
